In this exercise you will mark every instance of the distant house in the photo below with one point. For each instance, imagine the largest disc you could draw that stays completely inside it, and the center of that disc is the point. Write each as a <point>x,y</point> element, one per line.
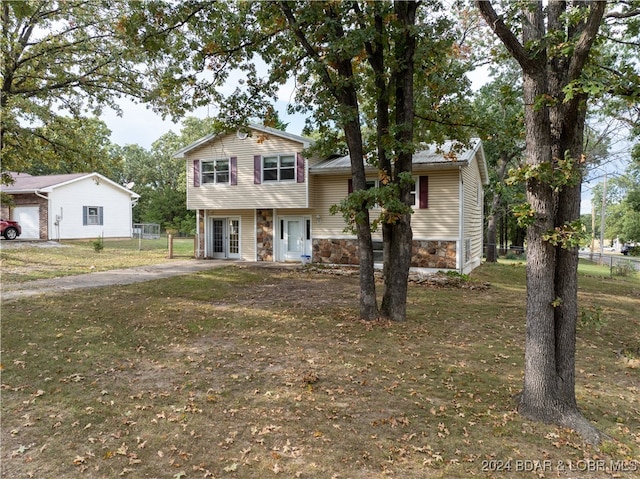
<point>258,198</point>
<point>70,206</point>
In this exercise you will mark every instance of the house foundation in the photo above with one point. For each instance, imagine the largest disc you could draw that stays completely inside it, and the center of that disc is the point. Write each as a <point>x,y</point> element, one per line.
<point>425,254</point>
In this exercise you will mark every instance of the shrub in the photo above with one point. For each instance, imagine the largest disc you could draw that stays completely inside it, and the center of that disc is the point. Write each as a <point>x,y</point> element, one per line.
<point>624,268</point>
<point>98,244</point>
<point>592,317</point>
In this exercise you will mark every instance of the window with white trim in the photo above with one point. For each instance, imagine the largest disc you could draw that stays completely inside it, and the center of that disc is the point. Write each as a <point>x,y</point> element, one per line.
<point>278,168</point>
<point>92,215</point>
<point>415,197</point>
<point>215,171</point>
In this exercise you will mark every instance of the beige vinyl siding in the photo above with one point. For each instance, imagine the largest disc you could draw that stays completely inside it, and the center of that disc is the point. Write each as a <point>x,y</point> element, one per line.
<point>441,220</point>
<point>438,222</point>
<point>247,230</point>
<point>245,194</point>
<point>327,191</point>
<point>473,205</point>
<point>292,212</point>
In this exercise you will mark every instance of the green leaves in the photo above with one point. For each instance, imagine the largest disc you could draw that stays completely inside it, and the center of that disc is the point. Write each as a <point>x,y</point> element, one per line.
<point>384,200</point>
<point>571,235</point>
<point>58,65</point>
<point>582,86</point>
<point>557,174</point>
<point>524,213</point>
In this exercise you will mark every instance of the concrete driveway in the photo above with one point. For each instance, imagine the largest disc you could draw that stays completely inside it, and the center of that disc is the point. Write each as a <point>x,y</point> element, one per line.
<point>107,278</point>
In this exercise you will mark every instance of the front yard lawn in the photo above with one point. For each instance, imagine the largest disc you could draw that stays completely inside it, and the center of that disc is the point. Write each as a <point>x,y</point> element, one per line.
<point>245,372</point>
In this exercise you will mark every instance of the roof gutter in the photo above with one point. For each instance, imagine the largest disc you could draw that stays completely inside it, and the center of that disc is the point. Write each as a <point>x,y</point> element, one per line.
<point>416,168</point>
<point>37,193</point>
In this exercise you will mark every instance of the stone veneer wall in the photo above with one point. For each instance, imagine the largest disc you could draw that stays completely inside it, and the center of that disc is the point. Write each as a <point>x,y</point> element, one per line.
<point>43,209</point>
<point>264,235</point>
<point>434,254</point>
<point>335,251</point>
<point>425,254</point>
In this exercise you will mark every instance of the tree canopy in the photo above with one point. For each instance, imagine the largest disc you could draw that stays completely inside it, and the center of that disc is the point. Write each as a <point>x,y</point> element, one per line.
<point>62,61</point>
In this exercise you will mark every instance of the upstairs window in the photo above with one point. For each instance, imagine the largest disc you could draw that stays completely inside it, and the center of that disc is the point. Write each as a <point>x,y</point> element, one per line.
<point>278,168</point>
<point>215,172</point>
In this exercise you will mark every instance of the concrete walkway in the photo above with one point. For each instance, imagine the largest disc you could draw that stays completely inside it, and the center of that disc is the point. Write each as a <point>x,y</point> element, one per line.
<point>108,278</point>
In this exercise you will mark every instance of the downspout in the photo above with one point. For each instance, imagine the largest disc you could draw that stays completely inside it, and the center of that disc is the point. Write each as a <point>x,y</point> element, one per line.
<point>199,230</point>
<point>461,252</point>
<point>481,220</point>
<point>37,193</point>
<point>255,234</point>
<point>132,204</point>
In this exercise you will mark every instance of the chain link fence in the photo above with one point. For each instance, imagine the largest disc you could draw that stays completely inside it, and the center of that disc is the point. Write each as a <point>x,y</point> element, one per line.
<point>618,265</point>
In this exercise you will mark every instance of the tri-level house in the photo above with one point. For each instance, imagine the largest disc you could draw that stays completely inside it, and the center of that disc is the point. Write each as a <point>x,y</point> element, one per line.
<point>258,198</point>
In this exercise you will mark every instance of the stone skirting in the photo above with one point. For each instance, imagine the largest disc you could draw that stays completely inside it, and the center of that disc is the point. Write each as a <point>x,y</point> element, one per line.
<point>434,254</point>
<point>335,251</point>
<point>425,254</point>
<point>264,235</point>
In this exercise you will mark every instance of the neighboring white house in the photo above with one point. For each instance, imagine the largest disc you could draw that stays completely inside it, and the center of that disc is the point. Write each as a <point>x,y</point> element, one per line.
<point>258,198</point>
<point>70,206</point>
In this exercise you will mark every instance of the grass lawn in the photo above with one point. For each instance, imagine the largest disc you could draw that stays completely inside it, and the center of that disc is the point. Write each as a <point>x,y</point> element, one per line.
<point>244,372</point>
<point>26,263</point>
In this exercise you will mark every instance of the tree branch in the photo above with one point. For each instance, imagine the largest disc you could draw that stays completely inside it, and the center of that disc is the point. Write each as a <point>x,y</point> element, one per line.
<point>442,122</point>
<point>511,43</point>
<point>587,37</point>
<point>623,15</point>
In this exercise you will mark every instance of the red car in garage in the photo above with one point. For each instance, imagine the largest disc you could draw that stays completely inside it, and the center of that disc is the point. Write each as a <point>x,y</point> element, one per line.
<point>10,229</point>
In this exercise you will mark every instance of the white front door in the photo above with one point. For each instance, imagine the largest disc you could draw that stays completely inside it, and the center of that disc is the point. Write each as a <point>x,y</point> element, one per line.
<point>295,238</point>
<point>223,238</point>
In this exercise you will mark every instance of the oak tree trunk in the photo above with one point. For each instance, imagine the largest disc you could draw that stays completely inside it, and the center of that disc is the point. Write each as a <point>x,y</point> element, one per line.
<point>368,300</point>
<point>554,129</point>
<point>398,235</point>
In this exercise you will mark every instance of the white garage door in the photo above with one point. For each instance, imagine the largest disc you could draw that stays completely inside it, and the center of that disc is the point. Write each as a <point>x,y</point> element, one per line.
<point>29,219</point>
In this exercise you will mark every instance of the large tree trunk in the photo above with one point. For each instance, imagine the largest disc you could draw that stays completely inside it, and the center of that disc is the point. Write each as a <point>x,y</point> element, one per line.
<point>553,132</point>
<point>567,120</point>
<point>346,96</point>
<point>368,300</point>
<point>398,235</point>
<point>538,398</point>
